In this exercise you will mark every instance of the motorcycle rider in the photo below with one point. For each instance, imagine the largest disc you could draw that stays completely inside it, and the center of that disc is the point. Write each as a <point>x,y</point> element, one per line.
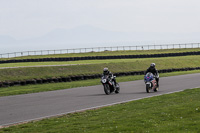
<point>107,72</point>
<point>154,71</point>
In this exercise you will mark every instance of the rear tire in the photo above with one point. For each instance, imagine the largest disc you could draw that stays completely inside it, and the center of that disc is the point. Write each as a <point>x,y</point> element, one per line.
<point>107,89</point>
<point>156,89</point>
<point>117,88</point>
<point>147,88</point>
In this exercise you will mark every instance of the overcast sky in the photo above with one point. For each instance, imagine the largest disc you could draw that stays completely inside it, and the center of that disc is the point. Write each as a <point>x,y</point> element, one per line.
<point>23,19</point>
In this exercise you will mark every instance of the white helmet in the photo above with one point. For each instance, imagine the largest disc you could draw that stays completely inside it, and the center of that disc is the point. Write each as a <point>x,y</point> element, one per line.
<point>105,70</point>
<point>153,65</point>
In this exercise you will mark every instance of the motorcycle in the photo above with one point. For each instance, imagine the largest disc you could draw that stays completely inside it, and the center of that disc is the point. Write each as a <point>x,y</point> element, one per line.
<point>109,85</point>
<point>150,82</point>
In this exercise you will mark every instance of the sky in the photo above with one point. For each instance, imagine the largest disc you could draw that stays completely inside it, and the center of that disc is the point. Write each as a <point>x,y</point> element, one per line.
<point>24,19</point>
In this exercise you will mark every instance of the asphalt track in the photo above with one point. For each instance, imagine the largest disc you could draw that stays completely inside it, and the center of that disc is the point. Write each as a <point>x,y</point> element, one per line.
<point>23,108</point>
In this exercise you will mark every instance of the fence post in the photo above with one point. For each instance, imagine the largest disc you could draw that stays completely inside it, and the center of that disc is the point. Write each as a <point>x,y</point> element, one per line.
<point>98,49</point>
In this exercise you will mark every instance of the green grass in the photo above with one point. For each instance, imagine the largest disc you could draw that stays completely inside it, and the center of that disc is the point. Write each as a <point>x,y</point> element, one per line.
<point>119,65</point>
<point>177,112</point>
<point>108,53</point>
<point>88,62</point>
<point>16,90</point>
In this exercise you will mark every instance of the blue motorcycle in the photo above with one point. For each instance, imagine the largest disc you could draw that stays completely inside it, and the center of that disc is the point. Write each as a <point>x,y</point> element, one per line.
<point>150,82</point>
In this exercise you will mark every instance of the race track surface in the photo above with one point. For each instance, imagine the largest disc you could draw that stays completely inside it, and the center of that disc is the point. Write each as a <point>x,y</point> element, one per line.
<point>22,108</point>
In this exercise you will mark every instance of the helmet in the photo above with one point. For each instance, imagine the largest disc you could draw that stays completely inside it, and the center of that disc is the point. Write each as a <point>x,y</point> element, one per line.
<point>153,65</point>
<point>105,70</point>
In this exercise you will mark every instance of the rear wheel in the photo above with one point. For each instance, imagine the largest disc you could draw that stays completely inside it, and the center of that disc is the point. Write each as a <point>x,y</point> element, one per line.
<point>107,89</point>
<point>156,89</point>
<point>117,88</point>
<point>147,88</point>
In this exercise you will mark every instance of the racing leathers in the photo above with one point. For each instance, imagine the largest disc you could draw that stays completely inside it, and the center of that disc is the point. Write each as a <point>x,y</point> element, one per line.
<point>110,75</point>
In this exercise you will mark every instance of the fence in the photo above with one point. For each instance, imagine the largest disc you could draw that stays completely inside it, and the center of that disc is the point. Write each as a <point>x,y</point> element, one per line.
<point>99,49</point>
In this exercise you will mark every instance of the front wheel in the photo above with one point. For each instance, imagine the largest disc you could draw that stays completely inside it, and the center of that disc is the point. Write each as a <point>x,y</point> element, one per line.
<point>117,88</point>
<point>147,88</point>
<point>107,89</point>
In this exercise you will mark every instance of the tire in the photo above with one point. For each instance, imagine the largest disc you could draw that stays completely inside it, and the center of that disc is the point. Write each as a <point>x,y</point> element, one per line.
<point>117,88</point>
<point>156,89</point>
<point>147,88</point>
<point>107,89</point>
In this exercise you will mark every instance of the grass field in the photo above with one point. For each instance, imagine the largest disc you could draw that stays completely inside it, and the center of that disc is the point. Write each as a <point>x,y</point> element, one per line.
<point>16,90</point>
<point>96,67</point>
<point>88,62</point>
<point>177,112</point>
<point>108,53</point>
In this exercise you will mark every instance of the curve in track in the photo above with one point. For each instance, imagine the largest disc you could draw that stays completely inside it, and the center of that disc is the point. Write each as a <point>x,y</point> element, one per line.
<point>28,107</point>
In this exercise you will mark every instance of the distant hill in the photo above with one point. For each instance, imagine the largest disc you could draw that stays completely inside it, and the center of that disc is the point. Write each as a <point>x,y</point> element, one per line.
<point>89,36</point>
<point>5,39</point>
<point>84,34</point>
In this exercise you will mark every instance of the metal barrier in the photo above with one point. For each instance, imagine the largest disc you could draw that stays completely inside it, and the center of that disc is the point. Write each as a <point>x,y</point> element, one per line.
<point>99,49</point>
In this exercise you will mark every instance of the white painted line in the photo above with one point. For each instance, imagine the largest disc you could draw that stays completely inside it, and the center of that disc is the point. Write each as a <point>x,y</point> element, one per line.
<point>43,66</point>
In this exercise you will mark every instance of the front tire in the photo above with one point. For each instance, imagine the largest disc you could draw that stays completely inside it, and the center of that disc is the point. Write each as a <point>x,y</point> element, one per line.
<point>147,88</point>
<point>107,89</point>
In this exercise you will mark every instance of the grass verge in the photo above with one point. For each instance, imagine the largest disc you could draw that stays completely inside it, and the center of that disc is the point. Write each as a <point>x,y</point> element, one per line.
<point>108,61</point>
<point>177,112</point>
<point>96,67</point>
<point>16,90</point>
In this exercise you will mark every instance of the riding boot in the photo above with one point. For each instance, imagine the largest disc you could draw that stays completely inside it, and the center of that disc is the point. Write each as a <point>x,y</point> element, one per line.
<point>115,81</point>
